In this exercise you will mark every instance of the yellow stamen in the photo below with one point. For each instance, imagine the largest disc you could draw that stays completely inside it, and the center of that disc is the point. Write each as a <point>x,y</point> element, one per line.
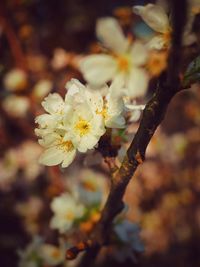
<point>123,63</point>
<point>104,112</point>
<point>69,216</point>
<point>66,145</point>
<point>89,186</point>
<point>56,254</point>
<point>82,126</point>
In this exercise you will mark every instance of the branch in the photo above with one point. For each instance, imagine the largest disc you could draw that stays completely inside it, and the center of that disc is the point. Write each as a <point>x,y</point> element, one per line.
<point>12,39</point>
<point>154,112</point>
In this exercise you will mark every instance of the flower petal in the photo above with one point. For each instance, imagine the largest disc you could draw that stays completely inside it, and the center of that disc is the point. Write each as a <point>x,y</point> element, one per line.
<point>87,142</point>
<point>139,53</point>
<point>157,42</point>
<point>137,83</point>
<point>69,158</point>
<point>51,157</point>
<point>111,35</point>
<point>154,16</point>
<point>98,69</point>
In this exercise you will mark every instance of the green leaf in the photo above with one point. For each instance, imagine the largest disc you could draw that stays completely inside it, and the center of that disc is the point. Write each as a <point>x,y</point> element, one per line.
<point>192,74</point>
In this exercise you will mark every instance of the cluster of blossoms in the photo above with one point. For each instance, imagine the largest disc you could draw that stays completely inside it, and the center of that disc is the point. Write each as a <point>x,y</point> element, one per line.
<point>77,122</point>
<point>81,206</point>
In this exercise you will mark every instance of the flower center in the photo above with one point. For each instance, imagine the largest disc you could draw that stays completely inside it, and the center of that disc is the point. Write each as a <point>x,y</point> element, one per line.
<point>123,63</point>
<point>83,127</point>
<point>66,145</point>
<point>56,254</point>
<point>104,112</point>
<point>89,186</point>
<point>69,216</point>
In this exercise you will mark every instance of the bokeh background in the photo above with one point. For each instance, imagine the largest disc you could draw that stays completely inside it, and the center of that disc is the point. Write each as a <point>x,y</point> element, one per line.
<point>41,42</point>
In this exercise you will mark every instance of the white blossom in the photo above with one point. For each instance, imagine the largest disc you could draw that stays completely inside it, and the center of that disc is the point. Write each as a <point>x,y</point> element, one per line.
<point>15,80</point>
<point>66,210</point>
<point>52,255</point>
<point>156,17</point>
<point>16,106</point>
<point>125,61</point>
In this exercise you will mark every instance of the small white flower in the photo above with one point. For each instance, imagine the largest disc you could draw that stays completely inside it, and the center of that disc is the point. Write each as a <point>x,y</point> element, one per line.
<point>125,61</point>
<point>29,257</point>
<point>51,254</point>
<point>156,17</point>
<point>42,88</point>
<point>15,80</point>
<point>66,211</point>
<point>16,106</point>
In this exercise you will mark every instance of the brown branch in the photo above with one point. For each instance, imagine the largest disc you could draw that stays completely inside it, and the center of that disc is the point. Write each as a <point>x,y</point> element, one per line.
<point>153,115</point>
<point>13,41</point>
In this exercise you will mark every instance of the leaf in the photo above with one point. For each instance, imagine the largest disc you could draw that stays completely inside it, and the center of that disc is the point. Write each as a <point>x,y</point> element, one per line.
<point>192,74</point>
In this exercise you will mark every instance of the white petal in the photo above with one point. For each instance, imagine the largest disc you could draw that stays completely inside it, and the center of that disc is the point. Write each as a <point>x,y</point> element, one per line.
<point>87,142</point>
<point>116,122</point>
<point>69,158</point>
<point>139,53</point>
<point>157,43</point>
<point>137,82</point>
<point>135,115</point>
<point>154,16</point>
<point>51,157</point>
<point>98,69</point>
<point>53,103</point>
<point>111,35</point>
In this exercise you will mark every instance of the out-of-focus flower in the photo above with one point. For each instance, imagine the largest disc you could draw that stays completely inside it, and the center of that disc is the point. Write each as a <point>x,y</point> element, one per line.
<point>52,255</point>
<point>16,106</point>
<point>16,80</point>
<point>66,210</point>
<point>30,210</point>
<point>157,62</point>
<point>156,17</point>
<point>29,257</point>
<point>129,241</point>
<point>125,61</point>
<point>8,169</point>
<point>42,88</point>
<point>92,188</point>
<point>27,159</point>
<point>37,254</point>
<point>60,58</point>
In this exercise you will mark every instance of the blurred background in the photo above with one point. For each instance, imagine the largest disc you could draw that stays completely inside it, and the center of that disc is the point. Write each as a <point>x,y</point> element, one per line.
<point>41,43</point>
